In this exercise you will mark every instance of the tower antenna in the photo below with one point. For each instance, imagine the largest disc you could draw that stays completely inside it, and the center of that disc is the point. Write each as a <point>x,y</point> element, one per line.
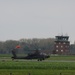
<point>61,30</point>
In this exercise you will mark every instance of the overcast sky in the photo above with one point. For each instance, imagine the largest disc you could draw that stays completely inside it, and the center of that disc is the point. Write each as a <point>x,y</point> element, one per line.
<point>36,19</point>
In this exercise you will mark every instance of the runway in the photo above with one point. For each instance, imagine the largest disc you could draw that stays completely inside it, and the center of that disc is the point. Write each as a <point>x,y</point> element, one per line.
<point>47,60</point>
<point>35,60</point>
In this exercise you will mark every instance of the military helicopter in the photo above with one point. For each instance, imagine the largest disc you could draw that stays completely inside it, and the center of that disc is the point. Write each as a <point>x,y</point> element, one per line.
<point>36,55</point>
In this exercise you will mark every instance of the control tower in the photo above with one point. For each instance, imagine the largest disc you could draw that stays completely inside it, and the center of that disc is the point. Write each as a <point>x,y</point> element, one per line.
<point>62,45</point>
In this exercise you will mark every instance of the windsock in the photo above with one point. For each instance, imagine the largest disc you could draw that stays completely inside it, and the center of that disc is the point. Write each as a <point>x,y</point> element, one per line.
<point>18,46</point>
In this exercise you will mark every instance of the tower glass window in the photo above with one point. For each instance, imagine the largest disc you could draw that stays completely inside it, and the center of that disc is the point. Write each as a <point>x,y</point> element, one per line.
<point>62,44</point>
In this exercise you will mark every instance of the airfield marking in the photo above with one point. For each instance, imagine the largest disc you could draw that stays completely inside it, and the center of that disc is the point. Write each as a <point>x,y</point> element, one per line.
<point>16,60</point>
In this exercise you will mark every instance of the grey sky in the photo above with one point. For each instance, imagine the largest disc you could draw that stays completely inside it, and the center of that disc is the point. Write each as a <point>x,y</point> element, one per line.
<point>36,19</point>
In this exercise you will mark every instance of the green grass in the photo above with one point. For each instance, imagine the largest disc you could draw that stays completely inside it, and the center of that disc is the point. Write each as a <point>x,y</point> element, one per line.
<point>7,63</point>
<point>37,68</point>
<point>37,72</point>
<point>69,57</point>
<point>19,67</point>
<point>37,65</point>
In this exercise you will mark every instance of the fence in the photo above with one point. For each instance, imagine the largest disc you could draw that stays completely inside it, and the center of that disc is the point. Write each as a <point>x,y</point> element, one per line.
<point>47,74</point>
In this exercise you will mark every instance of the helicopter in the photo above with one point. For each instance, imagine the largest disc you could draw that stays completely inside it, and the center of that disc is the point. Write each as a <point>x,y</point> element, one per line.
<point>36,55</point>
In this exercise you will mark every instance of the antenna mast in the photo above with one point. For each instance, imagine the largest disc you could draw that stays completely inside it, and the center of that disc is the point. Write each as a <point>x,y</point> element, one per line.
<point>61,30</point>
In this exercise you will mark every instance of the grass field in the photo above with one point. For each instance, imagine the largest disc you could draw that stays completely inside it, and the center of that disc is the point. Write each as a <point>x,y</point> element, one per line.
<point>37,72</point>
<point>32,67</point>
<point>37,68</point>
<point>69,57</point>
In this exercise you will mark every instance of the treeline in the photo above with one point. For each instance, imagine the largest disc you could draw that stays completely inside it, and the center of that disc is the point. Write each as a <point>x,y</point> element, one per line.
<point>27,45</point>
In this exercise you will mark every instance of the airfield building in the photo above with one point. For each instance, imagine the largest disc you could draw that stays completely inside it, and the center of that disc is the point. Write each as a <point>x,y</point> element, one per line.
<point>61,45</point>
